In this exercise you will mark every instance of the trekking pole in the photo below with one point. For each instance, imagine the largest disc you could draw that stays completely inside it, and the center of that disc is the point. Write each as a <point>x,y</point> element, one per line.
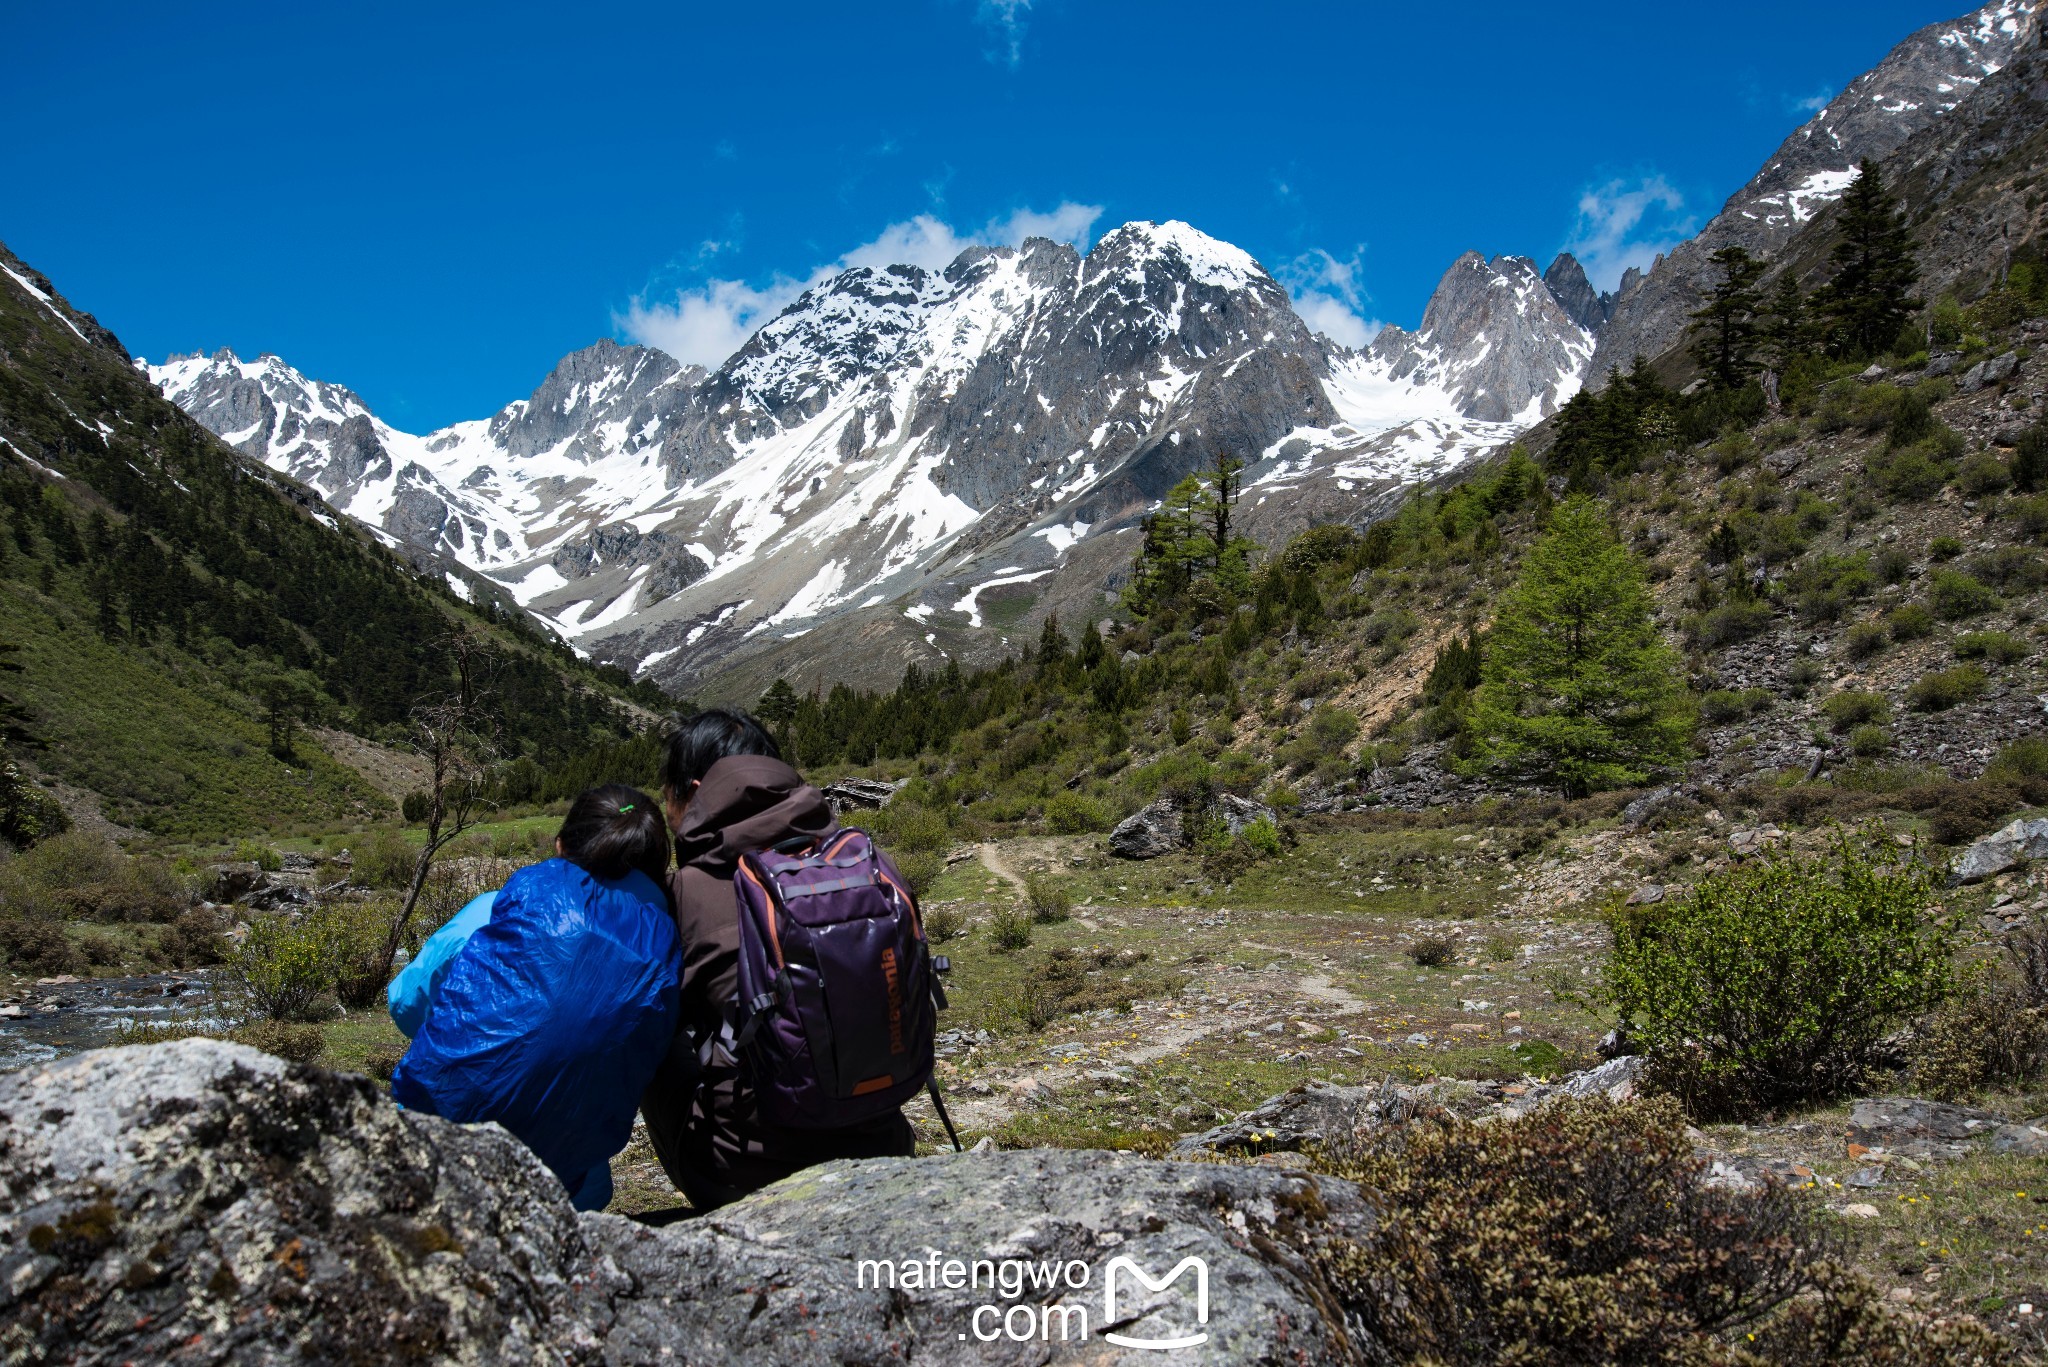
<point>931,1084</point>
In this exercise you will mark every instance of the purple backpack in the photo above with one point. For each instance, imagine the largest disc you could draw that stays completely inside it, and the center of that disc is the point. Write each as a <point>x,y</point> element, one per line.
<point>839,992</point>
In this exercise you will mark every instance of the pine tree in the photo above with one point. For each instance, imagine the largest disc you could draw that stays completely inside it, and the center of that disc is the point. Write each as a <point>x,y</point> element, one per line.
<point>1579,689</point>
<point>1726,326</point>
<point>1783,333</point>
<point>777,709</point>
<point>1867,301</point>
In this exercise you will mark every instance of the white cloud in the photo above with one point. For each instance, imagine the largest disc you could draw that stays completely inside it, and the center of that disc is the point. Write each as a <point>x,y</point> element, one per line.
<point>708,323</point>
<point>1813,103</point>
<point>1005,21</point>
<point>1627,223</point>
<point>1329,296</point>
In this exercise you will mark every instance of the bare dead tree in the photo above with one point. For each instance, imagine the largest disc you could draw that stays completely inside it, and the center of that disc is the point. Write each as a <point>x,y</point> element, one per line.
<point>457,733</point>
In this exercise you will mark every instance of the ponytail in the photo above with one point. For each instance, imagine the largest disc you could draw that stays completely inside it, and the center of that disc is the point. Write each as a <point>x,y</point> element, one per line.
<point>614,829</point>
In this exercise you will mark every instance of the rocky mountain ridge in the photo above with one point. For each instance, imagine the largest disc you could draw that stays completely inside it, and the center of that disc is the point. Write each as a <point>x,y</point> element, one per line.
<point>920,457</point>
<point>1929,75</point>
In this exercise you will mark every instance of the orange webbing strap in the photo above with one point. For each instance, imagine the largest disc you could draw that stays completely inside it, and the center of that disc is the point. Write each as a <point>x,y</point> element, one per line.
<point>774,936</point>
<point>916,923</point>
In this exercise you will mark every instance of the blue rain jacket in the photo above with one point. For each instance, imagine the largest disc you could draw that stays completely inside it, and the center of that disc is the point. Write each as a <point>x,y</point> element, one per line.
<point>410,991</point>
<point>553,1018</point>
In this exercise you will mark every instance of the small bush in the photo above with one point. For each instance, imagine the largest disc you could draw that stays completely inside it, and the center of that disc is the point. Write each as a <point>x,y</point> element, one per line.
<point>1074,814</point>
<point>1909,622</point>
<point>1910,475</point>
<point>1988,1033</point>
<point>194,940</point>
<point>1996,646</point>
<point>1851,708</point>
<point>1433,951</point>
<point>920,868</point>
<point>39,946</point>
<point>383,859</point>
<point>1009,930</point>
<point>1502,949</point>
<point>944,923</point>
<point>2025,758</point>
<point>1864,640</point>
<point>1982,474</point>
<point>1727,624</point>
<point>285,965</point>
<point>1771,984</point>
<point>1581,1233</point>
<point>1722,706</point>
<point>1048,899</point>
<point>262,856</point>
<point>1891,565</point>
<point>1944,548</point>
<point>1954,595</point>
<point>1946,688</point>
<point>1869,742</point>
<point>294,1043</point>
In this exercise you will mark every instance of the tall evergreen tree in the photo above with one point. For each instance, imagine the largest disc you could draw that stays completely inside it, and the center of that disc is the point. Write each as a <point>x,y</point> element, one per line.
<point>1870,296</point>
<point>1579,690</point>
<point>1725,328</point>
<point>1783,332</point>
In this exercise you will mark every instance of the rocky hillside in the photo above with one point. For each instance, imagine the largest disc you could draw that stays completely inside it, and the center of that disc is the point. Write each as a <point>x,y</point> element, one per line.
<point>1921,82</point>
<point>184,622</point>
<point>911,460</point>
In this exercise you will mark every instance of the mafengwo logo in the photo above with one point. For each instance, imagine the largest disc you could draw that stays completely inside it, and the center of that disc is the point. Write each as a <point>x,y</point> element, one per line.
<point>1135,1273</point>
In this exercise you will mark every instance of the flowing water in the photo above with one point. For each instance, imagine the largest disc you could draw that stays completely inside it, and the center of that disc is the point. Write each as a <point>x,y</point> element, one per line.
<point>60,1018</point>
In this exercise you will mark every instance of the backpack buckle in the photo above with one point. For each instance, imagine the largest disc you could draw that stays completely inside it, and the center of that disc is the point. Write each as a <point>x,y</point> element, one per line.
<point>941,964</point>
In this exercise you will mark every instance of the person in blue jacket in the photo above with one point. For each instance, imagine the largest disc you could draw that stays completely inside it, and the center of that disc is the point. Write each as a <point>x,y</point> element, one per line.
<point>553,1014</point>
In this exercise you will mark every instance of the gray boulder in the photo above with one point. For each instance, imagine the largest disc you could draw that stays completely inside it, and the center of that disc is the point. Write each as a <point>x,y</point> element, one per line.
<point>232,881</point>
<point>1313,1114</point>
<point>199,1201</point>
<point>1995,370</point>
<point>850,793</point>
<point>2008,848</point>
<point>1910,1125</point>
<point>1240,812</point>
<point>1149,832</point>
<point>2028,1139</point>
<point>1647,808</point>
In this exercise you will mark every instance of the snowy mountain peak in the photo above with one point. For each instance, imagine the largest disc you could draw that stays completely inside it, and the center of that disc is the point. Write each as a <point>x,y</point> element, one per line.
<point>1185,250</point>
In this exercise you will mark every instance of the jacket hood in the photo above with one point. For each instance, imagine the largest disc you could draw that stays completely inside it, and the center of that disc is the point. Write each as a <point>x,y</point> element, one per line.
<point>748,802</point>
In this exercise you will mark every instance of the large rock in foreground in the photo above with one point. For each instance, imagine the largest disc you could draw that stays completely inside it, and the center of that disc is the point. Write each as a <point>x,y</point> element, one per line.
<point>199,1201</point>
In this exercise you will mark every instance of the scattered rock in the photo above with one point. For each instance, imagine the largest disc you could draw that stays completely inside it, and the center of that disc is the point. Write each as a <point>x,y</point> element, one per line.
<point>2009,435</point>
<point>1912,1126</point>
<point>2008,848</point>
<point>1649,894</point>
<point>1744,843</point>
<point>1151,831</point>
<point>201,1201</point>
<point>232,881</point>
<point>1942,362</point>
<point>2028,1139</point>
<point>851,793</point>
<point>1860,1210</point>
<point>1615,1044</point>
<point>1784,461</point>
<point>1314,1113</point>
<point>1995,370</point>
<point>1646,808</point>
<point>1873,371</point>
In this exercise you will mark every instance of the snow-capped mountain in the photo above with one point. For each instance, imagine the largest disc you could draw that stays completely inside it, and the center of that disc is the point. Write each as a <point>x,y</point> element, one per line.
<point>1919,81</point>
<point>938,454</point>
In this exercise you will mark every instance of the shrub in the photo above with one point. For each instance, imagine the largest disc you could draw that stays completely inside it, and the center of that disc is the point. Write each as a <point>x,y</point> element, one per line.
<point>1909,621</point>
<point>78,877</point>
<point>2025,758</point>
<point>2029,516</point>
<point>194,940</point>
<point>1868,742</point>
<point>1580,1233</point>
<point>1771,984</point>
<point>1009,930</point>
<point>262,856</point>
<point>1997,646</point>
<point>1727,624</point>
<point>920,868</point>
<point>294,1043</point>
<point>1954,595</point>
<point>1945,688</point>
<point>1864,640</point>
<point>1074,814</point>
<point>1891,565</point>
<point>1982,474</point>
<point>2010,568</point>
<point>944,923</point>
<point>39,946</point>
<point>383,859</point>
<point>1944,548</point>
<point>285,965</point>
<point>1332,728</point>
<point>1851,708</point>
<point>1725,705</point>
<point>1433,951</point>
<point>1990,1032</point>
<point>1910,475</point>
<point>1262,837</point>
<point>1048,899</point>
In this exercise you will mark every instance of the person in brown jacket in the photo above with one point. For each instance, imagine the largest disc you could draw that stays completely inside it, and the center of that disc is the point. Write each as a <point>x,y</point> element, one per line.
<point>727,791</point>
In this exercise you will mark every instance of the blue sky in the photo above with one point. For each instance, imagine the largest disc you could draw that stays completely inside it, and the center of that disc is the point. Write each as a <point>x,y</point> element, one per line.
<point>432,203</point>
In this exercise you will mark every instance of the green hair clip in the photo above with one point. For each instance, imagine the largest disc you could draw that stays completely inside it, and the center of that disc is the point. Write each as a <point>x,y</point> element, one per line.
<point>627,808</point>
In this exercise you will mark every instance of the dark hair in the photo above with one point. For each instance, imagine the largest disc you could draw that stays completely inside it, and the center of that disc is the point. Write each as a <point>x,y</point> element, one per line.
<point>612,830</point>
<point>697,742</point>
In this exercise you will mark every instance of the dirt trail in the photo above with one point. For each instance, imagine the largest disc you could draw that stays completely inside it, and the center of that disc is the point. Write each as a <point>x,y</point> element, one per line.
<point>1316,986</point>
<point>991,857</point>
